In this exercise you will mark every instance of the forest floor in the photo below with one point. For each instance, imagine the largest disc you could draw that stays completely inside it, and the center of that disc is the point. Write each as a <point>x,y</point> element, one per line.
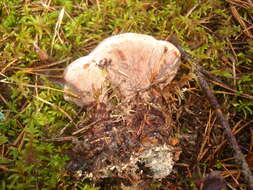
<point>217,33</point>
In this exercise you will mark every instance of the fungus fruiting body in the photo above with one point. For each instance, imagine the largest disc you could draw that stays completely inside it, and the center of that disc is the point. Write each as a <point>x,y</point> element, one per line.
<point>129,61</point>
<point>130,141</point>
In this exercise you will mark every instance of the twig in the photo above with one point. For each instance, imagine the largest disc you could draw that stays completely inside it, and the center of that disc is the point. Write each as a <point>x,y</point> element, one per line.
<point>62,139</point>
<point>53,63</point>
<point>83,129</point>
<point>224,122</point>
<point>227,130</point>
<point>237,16</point>
<point>8,65</point>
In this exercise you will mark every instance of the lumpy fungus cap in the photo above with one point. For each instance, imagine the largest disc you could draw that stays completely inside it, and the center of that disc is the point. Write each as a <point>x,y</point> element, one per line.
<point>129,61</point>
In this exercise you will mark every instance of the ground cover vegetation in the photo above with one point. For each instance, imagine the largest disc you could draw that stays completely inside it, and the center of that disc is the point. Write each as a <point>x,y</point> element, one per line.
<point>217,33</point>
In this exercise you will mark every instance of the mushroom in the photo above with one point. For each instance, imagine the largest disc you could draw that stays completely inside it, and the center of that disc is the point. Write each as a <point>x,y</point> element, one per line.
<point>134,145</point>
<point>130,62</point>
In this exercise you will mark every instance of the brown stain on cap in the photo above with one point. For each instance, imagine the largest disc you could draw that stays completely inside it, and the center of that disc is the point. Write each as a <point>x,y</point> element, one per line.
<point>86,66</point>
<point>119,54</point>
<point>176,53</point>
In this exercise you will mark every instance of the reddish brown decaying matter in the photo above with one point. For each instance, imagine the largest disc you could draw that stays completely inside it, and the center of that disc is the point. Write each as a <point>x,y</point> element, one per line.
<point>108,148</point>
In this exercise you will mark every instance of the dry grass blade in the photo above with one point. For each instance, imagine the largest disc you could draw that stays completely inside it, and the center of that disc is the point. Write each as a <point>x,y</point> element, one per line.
<point>83,129</point>
<point>20,136</point>
<point>4,168</point>
<point>7,66</point>
<point>57,29</point>
<point>98,5</point>
<point>230,173</point>
<point>42,87</point>
<point>42,74</point>
<point>233,62</point>
<point>206,136</point>
<point>53,64</point>
<point>3,99</point>
<point>57,107</point>
<point>44,57</point>
<point>233,94</point>
<point>241,22</point>
<point>61,139</point>
<point>40,70</point>
<point>251,141</point>
<point>224,142</point>
<point>248,96</point>
<point>241,3</point>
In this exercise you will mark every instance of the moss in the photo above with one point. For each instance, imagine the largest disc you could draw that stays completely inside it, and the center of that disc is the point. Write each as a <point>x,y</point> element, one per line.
<point>34,113</point>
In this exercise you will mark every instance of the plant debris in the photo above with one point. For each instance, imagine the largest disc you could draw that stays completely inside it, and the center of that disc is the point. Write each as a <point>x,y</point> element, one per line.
<point>133,145</point>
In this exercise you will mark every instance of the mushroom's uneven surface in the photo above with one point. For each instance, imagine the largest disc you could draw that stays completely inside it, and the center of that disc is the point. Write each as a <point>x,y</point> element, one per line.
<point>130,62</point>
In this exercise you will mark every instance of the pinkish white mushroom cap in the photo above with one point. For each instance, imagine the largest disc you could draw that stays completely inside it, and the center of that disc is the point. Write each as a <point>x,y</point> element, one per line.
<point>83,78</point>
<point>129,61</point>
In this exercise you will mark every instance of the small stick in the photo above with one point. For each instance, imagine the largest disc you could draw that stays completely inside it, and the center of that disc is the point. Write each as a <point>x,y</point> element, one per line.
<point>227,130</point>
<point>223,121</point>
